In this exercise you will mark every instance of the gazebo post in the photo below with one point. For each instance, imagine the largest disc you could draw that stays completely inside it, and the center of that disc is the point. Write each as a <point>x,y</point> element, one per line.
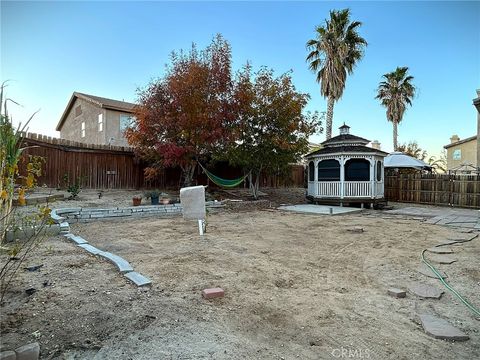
<point>372,177</point>
<point>342,178</point>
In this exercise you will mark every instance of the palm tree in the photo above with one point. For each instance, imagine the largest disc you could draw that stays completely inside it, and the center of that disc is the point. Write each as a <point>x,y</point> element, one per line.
<point>395,93</point>
<point>333,55</point>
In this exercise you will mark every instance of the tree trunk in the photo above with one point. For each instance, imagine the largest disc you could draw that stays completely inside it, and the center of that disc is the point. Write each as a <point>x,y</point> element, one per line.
<point>255,183</point>
<point>328,126</point>
<point>395,135</point>
<point>188,171</point>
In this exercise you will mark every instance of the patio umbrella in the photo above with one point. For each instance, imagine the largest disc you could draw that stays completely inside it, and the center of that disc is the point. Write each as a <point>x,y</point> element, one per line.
<point>400,160</point>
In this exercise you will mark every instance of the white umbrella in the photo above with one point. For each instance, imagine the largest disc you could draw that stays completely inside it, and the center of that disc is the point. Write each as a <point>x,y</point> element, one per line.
<point>400,160</point>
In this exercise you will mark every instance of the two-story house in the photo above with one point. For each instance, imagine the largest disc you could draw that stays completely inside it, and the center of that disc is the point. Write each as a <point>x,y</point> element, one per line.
<point>463,155</point>
<point>95,120</point>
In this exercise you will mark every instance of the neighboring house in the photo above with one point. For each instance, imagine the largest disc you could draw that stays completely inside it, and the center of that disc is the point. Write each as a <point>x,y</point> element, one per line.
<point>461,154</point>
<point>464,155</point>
<point>95,120</point>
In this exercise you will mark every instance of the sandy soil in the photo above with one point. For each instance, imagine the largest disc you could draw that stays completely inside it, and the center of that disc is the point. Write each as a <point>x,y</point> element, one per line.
<point>297,287</point>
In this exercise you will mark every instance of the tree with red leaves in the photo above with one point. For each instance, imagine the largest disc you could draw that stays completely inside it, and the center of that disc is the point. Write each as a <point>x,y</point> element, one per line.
<point>186,115</point>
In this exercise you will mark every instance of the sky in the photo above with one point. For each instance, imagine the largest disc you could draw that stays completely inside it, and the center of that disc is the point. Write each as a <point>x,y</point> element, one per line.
<point>111,49</point>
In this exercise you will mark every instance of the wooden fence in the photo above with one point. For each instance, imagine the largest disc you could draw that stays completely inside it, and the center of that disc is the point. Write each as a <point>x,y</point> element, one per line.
<point>434,189</point>
<point>115,167</point>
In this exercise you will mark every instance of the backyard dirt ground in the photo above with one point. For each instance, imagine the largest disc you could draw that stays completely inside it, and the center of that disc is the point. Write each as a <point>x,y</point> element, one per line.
<point>296,287</point>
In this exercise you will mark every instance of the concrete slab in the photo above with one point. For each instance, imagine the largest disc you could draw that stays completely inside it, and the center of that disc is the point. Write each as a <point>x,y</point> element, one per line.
<point>91,249</point>
<point>320,209</point>
<point>192,199</point>
<point>425,270</point>
<point>122,264</point>
<point>425,291</point>
<point>137,278</point>
<point>441,329</point>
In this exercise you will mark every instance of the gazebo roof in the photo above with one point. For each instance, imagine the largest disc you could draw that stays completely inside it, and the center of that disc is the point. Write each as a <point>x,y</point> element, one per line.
<point>347,149</point>
<point>346,143</point>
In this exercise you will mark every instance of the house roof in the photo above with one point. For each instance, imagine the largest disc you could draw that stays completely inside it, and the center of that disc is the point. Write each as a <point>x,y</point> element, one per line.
<point>471,138</point>
<point>97,100</point>
<point>347,149</point>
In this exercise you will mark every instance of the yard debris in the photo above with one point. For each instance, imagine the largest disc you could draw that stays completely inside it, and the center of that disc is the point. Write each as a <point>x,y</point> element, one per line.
<point>33,268</point>
<point>30,291</point>
<point>356,229</point>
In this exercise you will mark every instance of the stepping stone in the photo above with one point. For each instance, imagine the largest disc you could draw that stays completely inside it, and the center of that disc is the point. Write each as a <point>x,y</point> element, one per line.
<point>122,264</point>
<point>425,291</point>
<point>138,278</point>
<point>91,249</point>
<point>443,259</point>
<point>397,293</point>
<point>448,242</point>
<point>77,239</point>
<point>425,270</point>
<point>441,329</point>
<point>440,250</point>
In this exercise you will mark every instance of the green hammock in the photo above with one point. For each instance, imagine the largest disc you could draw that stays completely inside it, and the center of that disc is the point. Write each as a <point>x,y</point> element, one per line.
<point>223,182</point>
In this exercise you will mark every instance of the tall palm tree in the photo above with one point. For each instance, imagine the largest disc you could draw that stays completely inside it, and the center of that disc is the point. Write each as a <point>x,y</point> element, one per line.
<point>395,93</point>
<point>332,56</point>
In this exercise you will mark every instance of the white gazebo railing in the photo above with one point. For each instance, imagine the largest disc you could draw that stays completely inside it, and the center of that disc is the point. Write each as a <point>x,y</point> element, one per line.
<point>329,188</point>
<point>357,189</point>
<point>351,189</point>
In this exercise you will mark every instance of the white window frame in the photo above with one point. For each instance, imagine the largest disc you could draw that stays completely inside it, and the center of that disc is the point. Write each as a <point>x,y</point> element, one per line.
<point>83,129</point>
<point>100,122</point>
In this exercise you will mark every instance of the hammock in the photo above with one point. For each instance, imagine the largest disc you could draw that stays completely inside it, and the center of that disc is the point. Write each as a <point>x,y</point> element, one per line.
<point>223,182</point>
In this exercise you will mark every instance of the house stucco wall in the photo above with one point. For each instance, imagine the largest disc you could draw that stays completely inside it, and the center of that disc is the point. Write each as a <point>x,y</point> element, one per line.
<point>72,127</point>
<point>113,128</point>
<point>467,153</point>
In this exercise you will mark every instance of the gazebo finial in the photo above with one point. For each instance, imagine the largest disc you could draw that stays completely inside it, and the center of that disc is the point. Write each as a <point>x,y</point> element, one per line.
<point>344,129</point>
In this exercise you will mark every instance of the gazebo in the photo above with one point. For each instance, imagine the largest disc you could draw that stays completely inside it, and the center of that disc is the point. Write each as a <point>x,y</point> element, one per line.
<point>346,171</point>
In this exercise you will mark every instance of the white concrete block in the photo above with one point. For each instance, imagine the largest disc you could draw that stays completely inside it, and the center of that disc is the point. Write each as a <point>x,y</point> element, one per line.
<point>193,202</point>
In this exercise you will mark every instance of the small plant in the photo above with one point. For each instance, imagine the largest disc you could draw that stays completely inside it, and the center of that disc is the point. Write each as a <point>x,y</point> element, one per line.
<point>154,194</point>
<point>137,197</point>
<point>74,189</point>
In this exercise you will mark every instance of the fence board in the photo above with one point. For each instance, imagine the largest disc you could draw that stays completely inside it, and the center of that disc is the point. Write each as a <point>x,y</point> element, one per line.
<point>105,167</point>
<point>434,189</point>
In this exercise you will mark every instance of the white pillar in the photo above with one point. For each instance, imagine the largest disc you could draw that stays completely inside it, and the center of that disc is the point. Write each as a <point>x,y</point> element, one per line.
<point>372,177</point>
<point>342,177</point>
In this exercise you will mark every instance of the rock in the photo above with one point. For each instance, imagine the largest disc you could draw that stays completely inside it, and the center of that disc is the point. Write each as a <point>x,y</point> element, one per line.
<point>213,293</point>
<point>30,291</point>
<point>356,229</point>
<point>443,259</point>
<point>8,355</point>
<point>425,270</point>
<point>440,250</point>
<point>33,268</point>
<point>28,352</point>
<point>397,293</point>
<point>441,329</point>
<point>425,291</point>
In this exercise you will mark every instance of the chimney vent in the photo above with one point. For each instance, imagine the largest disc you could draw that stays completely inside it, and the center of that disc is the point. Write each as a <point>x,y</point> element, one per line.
<point>376,145</point>
<point>454,139</point>
<point>344,129</point>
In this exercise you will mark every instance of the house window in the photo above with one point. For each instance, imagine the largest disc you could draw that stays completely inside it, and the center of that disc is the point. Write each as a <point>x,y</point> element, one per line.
<point>83,129</point>
<point>379,171</point>
<point>100,122</point>
<point>311,171</point>
<point>329,170</point>
<point>457,154</point>
<point>357,170</point>
<point>78,111</point>
<point>125,122</point>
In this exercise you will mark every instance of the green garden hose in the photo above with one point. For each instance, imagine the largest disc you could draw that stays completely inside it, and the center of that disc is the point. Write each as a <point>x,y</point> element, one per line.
<point>470,306</point>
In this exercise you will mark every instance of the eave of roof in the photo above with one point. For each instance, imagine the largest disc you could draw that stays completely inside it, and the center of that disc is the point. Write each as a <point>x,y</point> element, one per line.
<point>471,138</point>
<point>349,149</point>
<point>99,101</point>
